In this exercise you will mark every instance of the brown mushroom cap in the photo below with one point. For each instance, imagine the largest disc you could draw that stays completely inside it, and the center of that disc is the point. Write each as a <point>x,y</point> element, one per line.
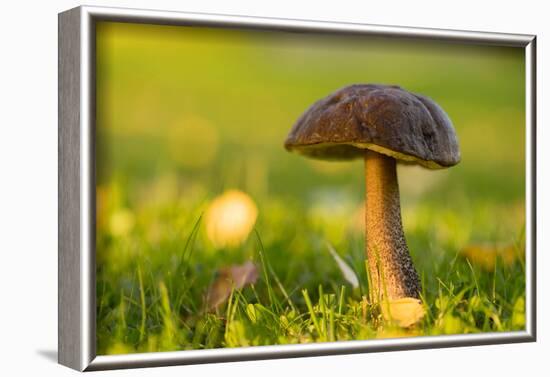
<point>384,118</point>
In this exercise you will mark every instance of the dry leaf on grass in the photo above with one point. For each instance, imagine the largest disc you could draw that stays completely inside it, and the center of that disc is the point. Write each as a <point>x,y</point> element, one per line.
<point>486,256</point>
<point>236,276</point>
<point>405,312</point>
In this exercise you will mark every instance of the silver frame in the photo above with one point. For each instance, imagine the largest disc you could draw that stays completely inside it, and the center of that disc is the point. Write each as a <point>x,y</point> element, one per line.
<point>77,295</point>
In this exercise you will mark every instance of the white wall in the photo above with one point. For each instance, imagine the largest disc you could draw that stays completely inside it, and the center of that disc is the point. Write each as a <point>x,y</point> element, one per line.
<point>28,188</point>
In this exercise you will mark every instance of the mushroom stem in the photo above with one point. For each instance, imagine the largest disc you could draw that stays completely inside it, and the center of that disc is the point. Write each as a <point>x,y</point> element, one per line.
<point>391,270</point>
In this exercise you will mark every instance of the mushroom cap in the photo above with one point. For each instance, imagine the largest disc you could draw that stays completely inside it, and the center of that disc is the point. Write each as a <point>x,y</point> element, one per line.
<point>384,118</point>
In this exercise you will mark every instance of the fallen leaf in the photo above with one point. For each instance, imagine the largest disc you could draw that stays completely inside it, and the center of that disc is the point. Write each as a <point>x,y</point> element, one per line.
<point>346,270</point>
<point>485,256</point>
<point>405,312</point>
<point>228,278</point>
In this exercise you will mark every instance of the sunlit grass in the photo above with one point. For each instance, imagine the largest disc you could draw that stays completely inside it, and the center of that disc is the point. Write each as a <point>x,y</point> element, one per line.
<point>193,180</point>
<point>153,297</point>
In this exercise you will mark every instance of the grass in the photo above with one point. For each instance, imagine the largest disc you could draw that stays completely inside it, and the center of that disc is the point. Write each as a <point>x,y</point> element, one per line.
<point>169,143</point>
<point>153,289</point>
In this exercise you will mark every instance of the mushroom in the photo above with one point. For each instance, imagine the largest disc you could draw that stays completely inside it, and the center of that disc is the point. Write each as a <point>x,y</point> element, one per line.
<point>383,124</point>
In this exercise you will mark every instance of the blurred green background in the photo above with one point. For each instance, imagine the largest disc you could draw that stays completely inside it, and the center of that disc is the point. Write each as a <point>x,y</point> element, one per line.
<point>186,113</point>
<point>214,106</point>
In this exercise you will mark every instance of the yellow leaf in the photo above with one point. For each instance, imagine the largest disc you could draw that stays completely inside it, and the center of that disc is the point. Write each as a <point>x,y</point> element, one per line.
<point>405,312</point>
<point>485,256</point>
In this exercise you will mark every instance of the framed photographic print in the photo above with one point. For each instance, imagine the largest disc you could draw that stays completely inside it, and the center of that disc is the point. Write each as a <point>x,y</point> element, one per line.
<point>238,188</point>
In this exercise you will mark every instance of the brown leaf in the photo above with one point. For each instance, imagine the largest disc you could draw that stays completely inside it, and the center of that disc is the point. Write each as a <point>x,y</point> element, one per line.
<point>235,276</point>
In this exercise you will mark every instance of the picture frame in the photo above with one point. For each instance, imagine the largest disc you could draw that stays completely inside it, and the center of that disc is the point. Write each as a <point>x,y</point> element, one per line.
<point>77,184</point>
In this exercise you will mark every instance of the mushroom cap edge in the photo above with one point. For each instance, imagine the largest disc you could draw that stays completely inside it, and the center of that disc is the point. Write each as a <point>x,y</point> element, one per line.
<point>389,120</point>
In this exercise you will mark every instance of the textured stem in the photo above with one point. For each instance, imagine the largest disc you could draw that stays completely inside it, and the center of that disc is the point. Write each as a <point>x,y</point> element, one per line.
<point>391,269</point>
